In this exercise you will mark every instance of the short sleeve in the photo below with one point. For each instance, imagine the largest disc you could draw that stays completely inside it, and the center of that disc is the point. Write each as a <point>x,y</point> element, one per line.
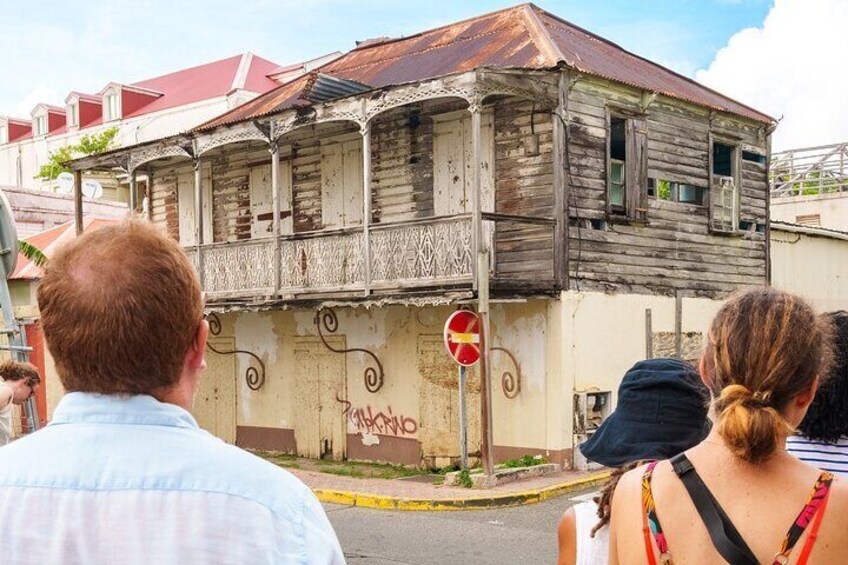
<point>321,544</point>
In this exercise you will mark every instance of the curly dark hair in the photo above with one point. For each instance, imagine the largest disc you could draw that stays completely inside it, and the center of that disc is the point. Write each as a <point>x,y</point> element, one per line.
<point>827,418</point>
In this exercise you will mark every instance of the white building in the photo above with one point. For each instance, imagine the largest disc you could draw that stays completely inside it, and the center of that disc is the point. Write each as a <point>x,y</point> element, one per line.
<point>142,111</point>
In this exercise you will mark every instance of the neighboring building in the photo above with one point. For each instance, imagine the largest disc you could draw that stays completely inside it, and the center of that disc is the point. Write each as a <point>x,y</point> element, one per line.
<point>812,262</point>
<point>37,210</point>
<point>598,205</point>
<point>810,186</point>
<point>142,111</point>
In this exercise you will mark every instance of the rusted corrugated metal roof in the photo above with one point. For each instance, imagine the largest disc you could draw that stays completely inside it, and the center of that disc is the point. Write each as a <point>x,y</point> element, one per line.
<point>523,36</point>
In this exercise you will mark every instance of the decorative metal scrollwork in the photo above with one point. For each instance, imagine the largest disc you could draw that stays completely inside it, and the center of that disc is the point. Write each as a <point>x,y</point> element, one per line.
<point>254,377</point>
<point>327,321</point>
<point>510,382</point>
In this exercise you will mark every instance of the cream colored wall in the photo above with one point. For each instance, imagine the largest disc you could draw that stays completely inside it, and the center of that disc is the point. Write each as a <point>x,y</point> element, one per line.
<point>398,335</point>
<point>814,267</point>
<point>604,334</point>
<point>833,209</point>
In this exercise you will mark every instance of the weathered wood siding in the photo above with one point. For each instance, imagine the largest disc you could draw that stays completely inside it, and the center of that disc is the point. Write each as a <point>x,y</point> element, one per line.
<point>523,187</point>
<point>675,251</point>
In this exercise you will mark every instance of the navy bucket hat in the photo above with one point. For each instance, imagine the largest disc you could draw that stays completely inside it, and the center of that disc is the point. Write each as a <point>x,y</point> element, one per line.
<point>662,411</point>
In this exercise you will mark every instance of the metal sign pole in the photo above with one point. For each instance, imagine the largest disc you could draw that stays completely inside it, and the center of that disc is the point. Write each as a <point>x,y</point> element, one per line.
<point>463,420</point>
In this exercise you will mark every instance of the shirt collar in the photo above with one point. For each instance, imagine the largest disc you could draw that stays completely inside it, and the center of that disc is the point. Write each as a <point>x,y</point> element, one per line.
<point>140,409</point>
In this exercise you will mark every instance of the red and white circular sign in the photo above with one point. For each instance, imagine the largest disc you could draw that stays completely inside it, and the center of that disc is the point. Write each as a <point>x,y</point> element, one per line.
<point>462,337</point>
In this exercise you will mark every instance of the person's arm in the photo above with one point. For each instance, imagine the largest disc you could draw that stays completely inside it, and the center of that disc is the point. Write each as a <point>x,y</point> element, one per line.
<point>567,536</point>
<point>322,545</point>
<point>625,507</point>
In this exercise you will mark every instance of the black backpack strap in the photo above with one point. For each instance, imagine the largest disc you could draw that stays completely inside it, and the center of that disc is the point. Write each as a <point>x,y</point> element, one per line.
<point>726,539</point>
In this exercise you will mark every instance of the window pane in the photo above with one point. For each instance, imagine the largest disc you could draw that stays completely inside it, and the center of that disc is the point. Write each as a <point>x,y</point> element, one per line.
<point>690,194</point>
<point>617,194</point>
<point>722,159</point>
<point>617,172</point>
<point>618,139</point>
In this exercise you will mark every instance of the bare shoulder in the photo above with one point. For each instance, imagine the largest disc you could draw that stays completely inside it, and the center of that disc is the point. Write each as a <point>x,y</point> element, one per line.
<point>567,538</point>
<point>837,506</point>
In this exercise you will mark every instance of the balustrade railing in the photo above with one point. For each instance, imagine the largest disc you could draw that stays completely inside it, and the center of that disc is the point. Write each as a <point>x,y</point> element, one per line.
<point>426,252</point>
<point>809,171</point>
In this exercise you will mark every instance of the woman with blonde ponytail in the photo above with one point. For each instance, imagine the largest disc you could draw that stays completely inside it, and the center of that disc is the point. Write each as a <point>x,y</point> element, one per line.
<point>738,497</point>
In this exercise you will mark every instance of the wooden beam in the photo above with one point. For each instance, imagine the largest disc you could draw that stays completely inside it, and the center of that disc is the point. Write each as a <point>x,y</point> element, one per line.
<point>78,221</point>
<point>198,219</point>
<point>366,203</point>
<point>133,197</point>
<point>561,185</point>
<point>275,207</point>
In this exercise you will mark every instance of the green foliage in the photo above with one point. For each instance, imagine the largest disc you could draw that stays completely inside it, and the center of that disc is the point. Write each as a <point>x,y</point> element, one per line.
<point>32,253</point>
<point>92,144</point>
<point>526,461</point>
<point>663,189</point>
<point>464,479</point>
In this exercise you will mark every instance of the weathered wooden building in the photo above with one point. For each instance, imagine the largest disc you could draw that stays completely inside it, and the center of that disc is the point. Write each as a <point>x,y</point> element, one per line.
<point>513,162</point>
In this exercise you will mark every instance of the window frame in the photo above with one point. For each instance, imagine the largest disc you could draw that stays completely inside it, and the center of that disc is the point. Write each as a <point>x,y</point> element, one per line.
<point>675,192</point>
<point>110,114</point>
<point>39,125</point>
<point>72,113</point>
<point>720,225</point>
<point>3,129</point>
<point>635,123</point>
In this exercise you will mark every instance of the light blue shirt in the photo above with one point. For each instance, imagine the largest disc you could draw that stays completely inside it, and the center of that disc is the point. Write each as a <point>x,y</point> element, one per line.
<point>133,480</point>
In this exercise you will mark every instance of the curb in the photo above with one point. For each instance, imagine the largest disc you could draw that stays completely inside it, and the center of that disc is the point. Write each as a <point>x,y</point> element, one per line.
<point>519,498</point>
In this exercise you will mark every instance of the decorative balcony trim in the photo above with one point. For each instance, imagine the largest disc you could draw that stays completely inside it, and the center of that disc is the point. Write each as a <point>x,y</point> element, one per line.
<point>510,382</point>
<point>254,377</point>
<point>326,320</point>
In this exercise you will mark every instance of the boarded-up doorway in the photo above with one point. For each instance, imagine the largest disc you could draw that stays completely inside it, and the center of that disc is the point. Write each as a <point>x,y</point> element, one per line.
<point>438,410</point>
<point>215,402</point>
<point>319,378</point>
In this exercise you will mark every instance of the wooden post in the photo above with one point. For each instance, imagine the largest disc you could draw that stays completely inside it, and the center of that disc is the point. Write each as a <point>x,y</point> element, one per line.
<point>133,200</point>
<point>366,203</point>
<point>198,219</point>
<point>561,185</point>
<point>476,187</point>
<point>150,193</point>
<point>78,222</point>
<point>481,284</point>
<point>678,326</point>
<point>275,207</point>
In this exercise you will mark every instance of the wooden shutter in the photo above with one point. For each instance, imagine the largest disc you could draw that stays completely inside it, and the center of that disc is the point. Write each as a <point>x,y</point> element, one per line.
<point>261,205</point>
<point>636,172</point>
<point>185,201</point>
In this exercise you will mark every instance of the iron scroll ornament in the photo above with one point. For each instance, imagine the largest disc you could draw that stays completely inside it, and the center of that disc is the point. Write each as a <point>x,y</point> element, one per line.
<point>511,383</point>
<point>254,377</point>
<point>326,320</point>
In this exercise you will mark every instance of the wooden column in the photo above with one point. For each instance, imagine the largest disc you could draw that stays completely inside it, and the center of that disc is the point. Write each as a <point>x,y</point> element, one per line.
<point>150,193</point>
<point>133,200</point>
<point>561,185</point>
<point>275,206</point>
<point>198,218</point>
<point>366,204</point>
<point>78,222</point>
<point>480,267</point>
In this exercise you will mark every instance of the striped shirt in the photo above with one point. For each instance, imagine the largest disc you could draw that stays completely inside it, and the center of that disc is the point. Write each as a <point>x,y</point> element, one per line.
<point>832,457</point>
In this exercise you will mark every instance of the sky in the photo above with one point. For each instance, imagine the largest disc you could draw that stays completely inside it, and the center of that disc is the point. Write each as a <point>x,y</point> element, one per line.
<point>753,50</point>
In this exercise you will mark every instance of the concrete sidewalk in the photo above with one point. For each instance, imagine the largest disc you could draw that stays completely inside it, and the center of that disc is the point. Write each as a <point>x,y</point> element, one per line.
<point>407,494</point>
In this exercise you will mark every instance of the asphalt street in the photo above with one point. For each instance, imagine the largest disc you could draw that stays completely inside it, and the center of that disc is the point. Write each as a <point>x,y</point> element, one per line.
<point>524,535</point>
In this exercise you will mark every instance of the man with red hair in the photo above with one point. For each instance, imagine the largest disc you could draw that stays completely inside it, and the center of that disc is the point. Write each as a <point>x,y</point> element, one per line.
<point>123,474</point>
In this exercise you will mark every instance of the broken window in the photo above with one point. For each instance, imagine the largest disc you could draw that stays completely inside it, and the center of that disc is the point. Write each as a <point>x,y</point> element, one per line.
<point>627,167</point>
<point>724,189</point>
<point>753,157</point>
<point>662,189</point>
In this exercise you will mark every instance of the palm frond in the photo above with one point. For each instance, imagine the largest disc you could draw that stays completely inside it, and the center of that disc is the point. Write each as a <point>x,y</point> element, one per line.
<point>32,253</point>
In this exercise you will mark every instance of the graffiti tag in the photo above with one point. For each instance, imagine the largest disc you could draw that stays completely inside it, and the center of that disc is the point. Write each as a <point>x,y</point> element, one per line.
<point>370,420</point>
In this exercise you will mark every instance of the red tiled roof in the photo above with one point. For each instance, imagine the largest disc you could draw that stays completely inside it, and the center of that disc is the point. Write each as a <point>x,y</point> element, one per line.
<point>49,242</point>
<point>523,36</point>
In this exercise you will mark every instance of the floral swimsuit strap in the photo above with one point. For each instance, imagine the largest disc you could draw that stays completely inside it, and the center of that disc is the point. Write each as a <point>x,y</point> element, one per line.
<point>651,524</point>
<point>815,504</point>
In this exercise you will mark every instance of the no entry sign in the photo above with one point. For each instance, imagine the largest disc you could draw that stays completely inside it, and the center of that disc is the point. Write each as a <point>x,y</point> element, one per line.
<point>462,337</point>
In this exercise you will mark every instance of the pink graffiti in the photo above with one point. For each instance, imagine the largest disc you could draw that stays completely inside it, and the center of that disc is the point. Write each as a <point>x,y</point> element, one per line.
<point>366,420</point>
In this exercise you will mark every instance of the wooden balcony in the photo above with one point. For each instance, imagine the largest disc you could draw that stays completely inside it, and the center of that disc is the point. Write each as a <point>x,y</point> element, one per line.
<point>432,253</point>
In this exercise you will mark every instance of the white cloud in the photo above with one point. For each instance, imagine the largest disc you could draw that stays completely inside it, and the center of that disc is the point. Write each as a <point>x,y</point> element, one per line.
<point>34,97</point>
<point>793,66</point>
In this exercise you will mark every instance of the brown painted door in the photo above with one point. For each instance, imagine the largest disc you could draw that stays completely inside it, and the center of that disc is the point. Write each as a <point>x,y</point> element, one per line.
<point>319,428</point>
<point>215,401</point>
